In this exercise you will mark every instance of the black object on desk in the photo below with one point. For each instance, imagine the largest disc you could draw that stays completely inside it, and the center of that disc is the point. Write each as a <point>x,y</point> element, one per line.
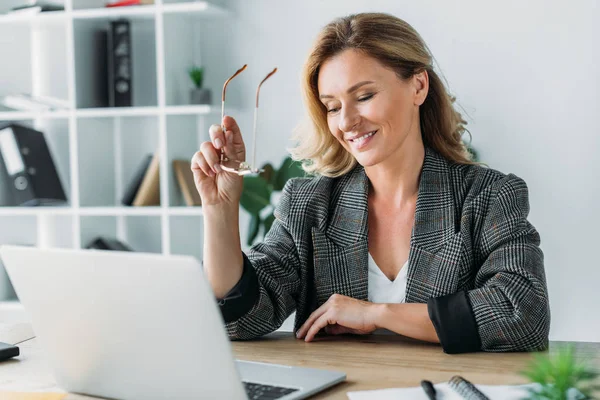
<point>103,243</point>
<point>466,389</point>
<point>8,351</point>
<point>429,389</point>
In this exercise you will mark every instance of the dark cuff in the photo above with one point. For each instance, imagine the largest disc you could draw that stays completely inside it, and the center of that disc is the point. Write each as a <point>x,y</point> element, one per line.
<point>454,322</point>
<point>242,297</point>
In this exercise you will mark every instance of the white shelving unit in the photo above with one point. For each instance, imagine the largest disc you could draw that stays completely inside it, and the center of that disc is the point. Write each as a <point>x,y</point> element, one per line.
<point>97,150</point>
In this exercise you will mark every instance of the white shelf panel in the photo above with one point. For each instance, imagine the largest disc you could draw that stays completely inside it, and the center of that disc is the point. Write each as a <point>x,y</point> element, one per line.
<point>143,211</point>
<point>198,7</point>
<point>33,211</point>
<point>190,110</point>
<point>98,211</point>
<point>21,115</point>
<point>116,112</point>
<point>118,211</point>
<point>39,17</point>
<point>185,211</point>
<point>143,11</point>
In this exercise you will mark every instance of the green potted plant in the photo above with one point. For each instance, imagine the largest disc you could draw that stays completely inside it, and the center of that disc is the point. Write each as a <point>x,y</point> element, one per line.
<point>257,193</point>
<point>561,377</point>
<point>198,94</point>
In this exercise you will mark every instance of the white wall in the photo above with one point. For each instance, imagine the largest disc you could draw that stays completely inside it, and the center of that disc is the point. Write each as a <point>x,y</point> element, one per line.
<point>527,75</point>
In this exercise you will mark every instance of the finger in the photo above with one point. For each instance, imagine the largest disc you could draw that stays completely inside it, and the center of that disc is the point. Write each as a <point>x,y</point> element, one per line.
<point>231,126</point>
<point>310,320</point>
<point>200,167</point>
<point>320,323</point>
<point>211,156</point>
<point>216,135</point>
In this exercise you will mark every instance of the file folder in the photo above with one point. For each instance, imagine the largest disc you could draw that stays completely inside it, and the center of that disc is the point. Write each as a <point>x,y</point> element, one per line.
<point>32,176</point>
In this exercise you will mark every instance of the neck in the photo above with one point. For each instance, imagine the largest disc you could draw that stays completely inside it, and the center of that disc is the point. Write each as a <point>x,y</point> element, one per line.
<point>395,181</point>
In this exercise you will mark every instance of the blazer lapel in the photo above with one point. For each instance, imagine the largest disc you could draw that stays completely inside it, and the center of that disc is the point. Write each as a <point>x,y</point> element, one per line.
<point>340,244</point>
<point>434,228</point>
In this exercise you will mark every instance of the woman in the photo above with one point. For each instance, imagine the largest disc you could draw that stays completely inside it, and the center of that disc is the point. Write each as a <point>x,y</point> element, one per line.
<point>399,230</point>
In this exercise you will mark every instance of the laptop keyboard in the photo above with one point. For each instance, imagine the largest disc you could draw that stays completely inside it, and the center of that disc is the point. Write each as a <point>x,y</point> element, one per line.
<point>256,391</point>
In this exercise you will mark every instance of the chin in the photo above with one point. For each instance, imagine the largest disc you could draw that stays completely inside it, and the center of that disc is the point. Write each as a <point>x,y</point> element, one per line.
<point>367,161</point>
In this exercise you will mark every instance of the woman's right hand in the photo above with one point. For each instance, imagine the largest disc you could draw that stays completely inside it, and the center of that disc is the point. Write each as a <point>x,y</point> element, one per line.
<point>215,186</point>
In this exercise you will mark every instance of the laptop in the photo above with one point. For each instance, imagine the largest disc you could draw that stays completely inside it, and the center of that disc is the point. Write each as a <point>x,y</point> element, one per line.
<point>135,326</point>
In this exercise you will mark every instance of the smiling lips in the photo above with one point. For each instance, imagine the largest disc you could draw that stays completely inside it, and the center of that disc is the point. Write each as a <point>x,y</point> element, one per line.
<point>362,141</point>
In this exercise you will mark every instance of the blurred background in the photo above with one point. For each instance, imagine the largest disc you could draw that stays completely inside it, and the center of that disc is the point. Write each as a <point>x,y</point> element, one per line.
<point>113,91</point>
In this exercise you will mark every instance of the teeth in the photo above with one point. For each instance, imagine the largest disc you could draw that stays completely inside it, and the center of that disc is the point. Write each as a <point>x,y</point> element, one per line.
<point>363,138</point>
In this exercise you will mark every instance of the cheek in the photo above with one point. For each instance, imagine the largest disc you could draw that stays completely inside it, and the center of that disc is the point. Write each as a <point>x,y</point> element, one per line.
<point>333,128</point>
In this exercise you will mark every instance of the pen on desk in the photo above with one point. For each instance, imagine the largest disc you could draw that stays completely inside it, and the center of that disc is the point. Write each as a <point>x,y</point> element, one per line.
<point>466,389</point>
<point>429,389</point>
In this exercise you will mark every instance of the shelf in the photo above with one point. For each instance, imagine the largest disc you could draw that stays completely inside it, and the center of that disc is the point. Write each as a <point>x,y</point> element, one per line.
<point>199,7</point>
<point>100,211</point>
<point>21,115</point>
<point>116,112</point>
<point>110,112</point>
<point>39,17</point>
<point>149,11</point>
<point>144,111</point>
<point>97,150</point>
<point>143,11</point>
<point>118,211</point>
<point>134,12</point>
<point>185,211</point>
<point>33,211</point>
<point>188,110</point>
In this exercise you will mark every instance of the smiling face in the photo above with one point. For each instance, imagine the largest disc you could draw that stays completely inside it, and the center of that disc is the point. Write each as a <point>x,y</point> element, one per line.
<point>370,110</point>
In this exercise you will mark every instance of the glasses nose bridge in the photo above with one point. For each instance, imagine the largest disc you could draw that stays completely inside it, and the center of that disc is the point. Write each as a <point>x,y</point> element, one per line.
<point>350,117</point>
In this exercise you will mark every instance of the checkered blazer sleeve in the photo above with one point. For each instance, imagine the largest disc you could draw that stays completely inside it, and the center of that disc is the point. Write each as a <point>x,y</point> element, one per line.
<point>270,283</point>
<point>508,309</point>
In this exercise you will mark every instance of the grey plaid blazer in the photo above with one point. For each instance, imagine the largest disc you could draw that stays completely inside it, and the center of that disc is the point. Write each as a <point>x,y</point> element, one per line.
<point>474,258</point>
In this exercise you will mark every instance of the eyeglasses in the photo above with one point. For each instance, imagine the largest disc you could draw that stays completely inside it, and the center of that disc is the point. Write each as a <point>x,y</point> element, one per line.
<point>236,166</point>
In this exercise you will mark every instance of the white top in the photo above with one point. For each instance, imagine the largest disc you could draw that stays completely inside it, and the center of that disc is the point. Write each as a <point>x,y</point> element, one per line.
<point>381,289</point>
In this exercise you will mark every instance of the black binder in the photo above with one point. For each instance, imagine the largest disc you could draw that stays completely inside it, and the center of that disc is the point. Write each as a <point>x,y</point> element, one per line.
<point>32,176</point>
<point>119,64</point>
<point>104,243</point>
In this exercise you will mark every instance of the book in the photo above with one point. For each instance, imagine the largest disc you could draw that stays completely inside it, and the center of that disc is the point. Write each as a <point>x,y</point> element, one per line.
<point>119,64</point>
<point>27,102</point>
<point>24,103</point>
<point>136,181</point>
<point>36,7</point>
<point>148,194</point>
<point>125,3</point>
<point>185,180</point>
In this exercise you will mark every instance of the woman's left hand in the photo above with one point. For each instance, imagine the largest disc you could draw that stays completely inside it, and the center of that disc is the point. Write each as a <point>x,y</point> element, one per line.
<point>340,314</point>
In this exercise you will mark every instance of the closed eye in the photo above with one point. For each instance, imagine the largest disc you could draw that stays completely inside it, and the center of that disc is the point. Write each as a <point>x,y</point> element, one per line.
<point>367,97</point>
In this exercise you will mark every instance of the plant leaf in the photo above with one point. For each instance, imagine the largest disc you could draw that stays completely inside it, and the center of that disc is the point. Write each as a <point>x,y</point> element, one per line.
<point>268,173</point>
<point>289,169</point>
<point>256,194</point>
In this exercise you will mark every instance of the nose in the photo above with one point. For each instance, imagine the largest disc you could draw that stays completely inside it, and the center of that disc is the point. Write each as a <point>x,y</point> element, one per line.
<point>349,119</point>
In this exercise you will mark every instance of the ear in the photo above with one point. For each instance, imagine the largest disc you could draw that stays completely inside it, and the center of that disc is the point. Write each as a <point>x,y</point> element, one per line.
<point>421,87</point>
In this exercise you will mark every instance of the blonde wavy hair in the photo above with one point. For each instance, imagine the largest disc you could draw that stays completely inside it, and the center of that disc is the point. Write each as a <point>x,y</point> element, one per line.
<point>396,45</point>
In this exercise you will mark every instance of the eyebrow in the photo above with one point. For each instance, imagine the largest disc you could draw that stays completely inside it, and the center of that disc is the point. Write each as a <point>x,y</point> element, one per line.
<point>352,89</point>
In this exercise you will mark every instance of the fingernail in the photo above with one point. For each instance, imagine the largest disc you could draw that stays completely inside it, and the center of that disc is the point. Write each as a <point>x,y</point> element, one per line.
<point>218,143</point>
<point>217,168</point>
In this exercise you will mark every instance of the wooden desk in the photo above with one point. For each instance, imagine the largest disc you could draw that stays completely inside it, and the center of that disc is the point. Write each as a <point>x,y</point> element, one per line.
<point>370,362</point>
